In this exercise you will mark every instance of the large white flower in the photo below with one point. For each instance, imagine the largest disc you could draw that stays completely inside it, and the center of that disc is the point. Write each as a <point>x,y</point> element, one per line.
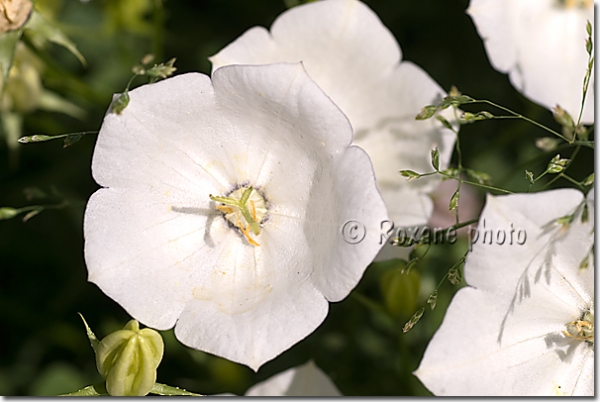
<point>305,380</point>
<point>224,209</point>
<point>541,45</point>
<point>525,324</point>
<point>347,50</point>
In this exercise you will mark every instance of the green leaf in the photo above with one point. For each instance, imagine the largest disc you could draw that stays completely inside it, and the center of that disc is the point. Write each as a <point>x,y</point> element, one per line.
<point>588,180</point>
<point>8,44</point>
<point>119,103</point>
<point>453,172</point>
<point>91,390</point>
<point>454,200</point>
<point>585,214</point>
<point>458,99</point>
<point>468,117</point>
<point>563,118</point>
<point>31,214</point>
<point>454,275</point>
<point>162,70</point>
<point>479,177</point>
<point>54,103</point>
<point>42,30</point>
<point>557,164</point>
<point>584,264</point>
<point>564,221</point>
<point>426,112</point>
<point>90,334</point>
<point>435,159</point>
<point>410,174</point>
<point>444,122</point>
<point>162,389</point>
<point>588,42</point>
<point>71,139</point>
<point>413,320</point>
<point>432,300</point>
<point>529,176</point>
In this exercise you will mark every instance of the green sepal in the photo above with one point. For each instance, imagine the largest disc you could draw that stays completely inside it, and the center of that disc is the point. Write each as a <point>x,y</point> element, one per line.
<point>91,390</point>
<point>162,389</point>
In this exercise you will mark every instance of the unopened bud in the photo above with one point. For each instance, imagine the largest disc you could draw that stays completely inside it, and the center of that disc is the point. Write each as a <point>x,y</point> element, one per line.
<point>128,360</point>
<point>14,14</point>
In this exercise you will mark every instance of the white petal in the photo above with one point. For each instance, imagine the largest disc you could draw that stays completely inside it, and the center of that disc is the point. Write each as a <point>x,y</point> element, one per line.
<point>343,45</point>
<point>464,358</point>
<point>542,47</point>
<point>524,240</point>
<point>305,380</point>
<point>351,55</point>
<point>156,244</point>
<point>343,260</point>
<point>135,151</point>
<point>505,335</point>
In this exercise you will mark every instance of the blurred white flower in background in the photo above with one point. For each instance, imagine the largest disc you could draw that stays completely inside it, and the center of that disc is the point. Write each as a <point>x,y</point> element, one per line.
<point>356,60</point>
<point>305,380</point>
<point>525,325</point>
<point>541,45</point>
<point>224,207</point>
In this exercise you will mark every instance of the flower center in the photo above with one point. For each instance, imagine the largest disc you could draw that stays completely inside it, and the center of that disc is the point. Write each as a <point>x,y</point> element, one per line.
<point>576,3</point>
<point>582,329</point>
<point>245,208</point>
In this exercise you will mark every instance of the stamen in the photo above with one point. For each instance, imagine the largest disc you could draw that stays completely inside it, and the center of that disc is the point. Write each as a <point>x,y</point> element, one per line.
<point>245,212</point>
<point>582,329</point>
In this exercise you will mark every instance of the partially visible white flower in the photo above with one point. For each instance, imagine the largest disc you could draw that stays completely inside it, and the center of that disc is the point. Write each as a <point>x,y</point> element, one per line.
<point>305,380</point>
<point>541,45</point>
<point>525,324</point>
<point>225,207</point>
<point>347,50</point>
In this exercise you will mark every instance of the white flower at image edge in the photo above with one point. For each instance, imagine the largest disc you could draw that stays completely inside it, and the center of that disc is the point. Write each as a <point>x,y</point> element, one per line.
<point>223,209</point>
<point>356,60</point>
<point>541,45</point>
<point>525,323</point>
<point>305,380</point>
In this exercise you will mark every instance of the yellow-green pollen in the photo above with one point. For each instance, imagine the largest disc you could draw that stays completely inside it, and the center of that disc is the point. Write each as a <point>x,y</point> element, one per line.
<point>245,208</point>
<point>582,329</point>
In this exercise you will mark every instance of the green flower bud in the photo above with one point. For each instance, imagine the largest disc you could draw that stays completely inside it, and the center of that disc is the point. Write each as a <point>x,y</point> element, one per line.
<point>400,291</point>
<point>128,360</point>
<point>8,213</point>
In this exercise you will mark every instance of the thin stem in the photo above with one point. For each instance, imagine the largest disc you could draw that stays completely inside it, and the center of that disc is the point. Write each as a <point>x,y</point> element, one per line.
<point>586,79</point>
<point>517,115</point>
<point>463,224</point>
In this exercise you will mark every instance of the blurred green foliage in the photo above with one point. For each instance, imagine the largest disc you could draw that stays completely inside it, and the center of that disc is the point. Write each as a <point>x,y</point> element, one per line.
<point>361,345</point>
